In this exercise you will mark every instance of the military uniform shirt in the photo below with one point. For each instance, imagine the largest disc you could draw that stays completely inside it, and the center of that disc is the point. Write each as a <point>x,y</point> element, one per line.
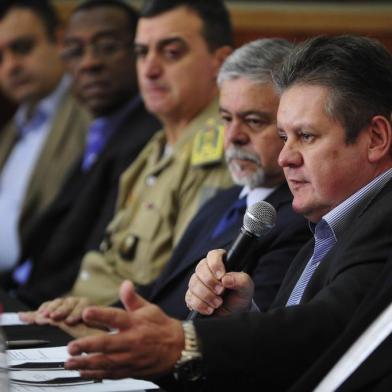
<point>158,197</point>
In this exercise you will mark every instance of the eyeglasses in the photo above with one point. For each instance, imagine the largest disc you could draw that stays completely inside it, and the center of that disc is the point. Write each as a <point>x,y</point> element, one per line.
<point>104,48</point>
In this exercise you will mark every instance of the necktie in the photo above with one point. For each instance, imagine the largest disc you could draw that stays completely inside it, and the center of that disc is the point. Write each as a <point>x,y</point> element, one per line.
<point>96,140</point>
<point>235,212</point>
<point>324,240</point>
<point>33,123</point>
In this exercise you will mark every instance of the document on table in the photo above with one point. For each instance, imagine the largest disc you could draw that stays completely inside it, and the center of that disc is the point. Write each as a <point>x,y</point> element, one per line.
<point>49,380</point>
<point>10,319</point>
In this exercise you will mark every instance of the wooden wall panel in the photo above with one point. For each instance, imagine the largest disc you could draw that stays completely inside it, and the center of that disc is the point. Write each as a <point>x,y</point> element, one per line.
<point>295,21</point>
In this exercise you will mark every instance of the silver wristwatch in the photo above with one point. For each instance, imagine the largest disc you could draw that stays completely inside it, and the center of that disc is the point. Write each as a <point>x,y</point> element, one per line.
<point>189,366</point>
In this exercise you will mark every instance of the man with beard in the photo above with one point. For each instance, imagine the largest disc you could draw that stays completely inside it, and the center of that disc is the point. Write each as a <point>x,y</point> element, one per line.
<point>182,166</point>
<point>334,117</point>
<point>248,106</point>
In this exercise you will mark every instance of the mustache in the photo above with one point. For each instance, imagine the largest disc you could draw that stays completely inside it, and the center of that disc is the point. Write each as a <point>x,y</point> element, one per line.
<point>236,152</point>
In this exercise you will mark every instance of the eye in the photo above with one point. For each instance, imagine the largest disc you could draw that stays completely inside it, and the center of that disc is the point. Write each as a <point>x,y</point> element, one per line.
<point>306,137</point>
<point>72,52</point>
<point>282,136</point>
<point>22,46</point>
<point>173,50</point>
<point>254,122</point>
<point>172,53</point>
<point>140,51</point>
<point>108,47</point>
<point>226,119</point>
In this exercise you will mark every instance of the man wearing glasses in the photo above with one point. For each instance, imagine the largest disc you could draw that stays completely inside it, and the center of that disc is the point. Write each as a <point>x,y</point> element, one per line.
<point>98,52</point>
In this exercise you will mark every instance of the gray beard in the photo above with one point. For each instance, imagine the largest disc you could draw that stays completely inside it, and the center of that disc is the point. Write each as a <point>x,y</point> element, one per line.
<point>253,180</point>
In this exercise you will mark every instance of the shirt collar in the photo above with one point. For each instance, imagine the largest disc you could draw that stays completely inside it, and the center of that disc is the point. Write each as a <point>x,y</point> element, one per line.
<point>255,195</point>
<point>340,218</point>
<point>47,106</point>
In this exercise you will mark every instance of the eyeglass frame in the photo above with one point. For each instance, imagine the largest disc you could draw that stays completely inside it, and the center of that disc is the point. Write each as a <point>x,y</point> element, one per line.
<point>98,49</point>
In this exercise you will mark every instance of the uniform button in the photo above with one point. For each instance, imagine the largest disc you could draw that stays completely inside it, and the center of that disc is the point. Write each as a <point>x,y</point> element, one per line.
<point>151,180</point>
<point>84,275</point>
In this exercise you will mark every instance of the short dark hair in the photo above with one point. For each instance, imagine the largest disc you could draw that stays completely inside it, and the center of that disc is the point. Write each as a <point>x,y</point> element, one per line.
<point>357,70</point>
<point>217,28</point>
<point>132,14</point>
<point>42,8</point>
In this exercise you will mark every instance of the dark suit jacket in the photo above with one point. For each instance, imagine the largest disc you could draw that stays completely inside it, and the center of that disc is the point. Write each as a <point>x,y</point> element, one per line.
<point>76,220</point>
<point>277,249</point>
<point>60,151</point>
<point>273,349</point>
<point>375,373</point>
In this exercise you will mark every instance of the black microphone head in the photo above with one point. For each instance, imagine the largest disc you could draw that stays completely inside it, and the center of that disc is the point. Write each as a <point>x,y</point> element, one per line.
<point>259,218</point>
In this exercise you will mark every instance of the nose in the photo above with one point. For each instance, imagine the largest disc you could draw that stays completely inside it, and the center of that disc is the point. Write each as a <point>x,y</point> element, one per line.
<point>235,134</point>
<point>89,59</point>
<point>150,66</point>
<point>289,156</point>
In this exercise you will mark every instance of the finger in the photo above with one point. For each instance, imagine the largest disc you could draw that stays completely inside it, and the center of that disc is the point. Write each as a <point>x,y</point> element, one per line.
<point>47,307</point>
<point>203,293</point>
<point>64,309</point>
<point>107,361</point>
<point>240,282</point>
<point>197,304</point>
<point>129,298</point>
<point>27,317</point>
<point>106,317</point>
<point>215,263</point>
<point>205,276</point>
<point>103,343</point>
<point>75,315</point>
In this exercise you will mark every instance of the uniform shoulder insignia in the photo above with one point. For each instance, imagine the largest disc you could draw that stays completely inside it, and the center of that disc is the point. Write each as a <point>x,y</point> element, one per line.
<point>208,144</point>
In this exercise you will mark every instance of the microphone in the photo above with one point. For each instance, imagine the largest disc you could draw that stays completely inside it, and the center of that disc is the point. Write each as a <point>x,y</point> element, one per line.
<point>259,219</point>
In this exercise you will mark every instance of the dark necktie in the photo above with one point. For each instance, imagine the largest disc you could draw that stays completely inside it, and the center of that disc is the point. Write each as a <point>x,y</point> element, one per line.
<point>231,217</point>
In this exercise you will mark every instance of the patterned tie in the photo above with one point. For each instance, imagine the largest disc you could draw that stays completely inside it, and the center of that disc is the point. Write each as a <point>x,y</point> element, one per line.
<point>235,212</point>
<point>96,140</point>
<point>324,241</point>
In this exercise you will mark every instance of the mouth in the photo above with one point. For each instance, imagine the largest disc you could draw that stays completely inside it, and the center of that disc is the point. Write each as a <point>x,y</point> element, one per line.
<point>19,82</point>
<point>94,88</point>
<point>242,166</point>
<point>296,184</point>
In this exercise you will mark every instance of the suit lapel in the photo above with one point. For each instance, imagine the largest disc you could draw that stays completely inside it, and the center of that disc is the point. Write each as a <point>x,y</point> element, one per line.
<point>53,142</point>
<point>8,138</point>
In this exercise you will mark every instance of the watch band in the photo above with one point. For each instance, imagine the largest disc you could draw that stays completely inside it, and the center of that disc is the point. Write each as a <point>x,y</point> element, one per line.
<point>188,367</point>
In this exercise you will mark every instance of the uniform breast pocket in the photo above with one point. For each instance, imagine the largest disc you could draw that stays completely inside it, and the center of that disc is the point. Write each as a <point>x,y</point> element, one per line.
<point>139,234</point>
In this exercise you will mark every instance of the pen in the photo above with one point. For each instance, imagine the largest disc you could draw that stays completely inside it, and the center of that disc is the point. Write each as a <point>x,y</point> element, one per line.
<point>26,343</point>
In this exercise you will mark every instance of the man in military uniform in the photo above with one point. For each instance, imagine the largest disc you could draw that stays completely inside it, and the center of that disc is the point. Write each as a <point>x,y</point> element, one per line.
<point>181,166</point>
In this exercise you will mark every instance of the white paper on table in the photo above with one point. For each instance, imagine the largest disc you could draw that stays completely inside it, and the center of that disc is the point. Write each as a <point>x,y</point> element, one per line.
<point>123,385</point>
<point>57,354</point>
<point>10,319</point>
<point>47,354</point>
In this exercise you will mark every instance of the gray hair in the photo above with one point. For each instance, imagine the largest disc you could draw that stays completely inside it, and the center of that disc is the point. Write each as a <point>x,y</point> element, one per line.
<point>255,60</point>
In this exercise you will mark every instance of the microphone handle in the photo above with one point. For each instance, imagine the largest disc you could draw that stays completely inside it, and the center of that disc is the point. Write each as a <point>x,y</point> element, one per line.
<point>235,260</point>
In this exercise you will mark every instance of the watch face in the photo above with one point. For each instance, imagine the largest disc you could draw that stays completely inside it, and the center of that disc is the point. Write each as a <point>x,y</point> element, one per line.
<point>190,370</point>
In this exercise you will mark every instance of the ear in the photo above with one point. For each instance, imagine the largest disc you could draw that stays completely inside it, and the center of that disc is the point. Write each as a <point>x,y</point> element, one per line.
<point>220,55</point>
<point>380,139</point>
